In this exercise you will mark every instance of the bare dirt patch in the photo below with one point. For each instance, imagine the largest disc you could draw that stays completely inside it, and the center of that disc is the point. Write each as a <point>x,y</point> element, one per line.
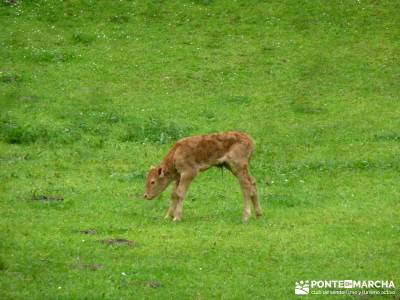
<point>119,241</point>
<point>88,231</point>
<point>47,198</point>
<point>154,284</point>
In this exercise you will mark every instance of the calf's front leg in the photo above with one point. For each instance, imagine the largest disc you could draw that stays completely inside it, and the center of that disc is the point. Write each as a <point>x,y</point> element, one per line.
<point>174,201</point>
<point>184,182</point>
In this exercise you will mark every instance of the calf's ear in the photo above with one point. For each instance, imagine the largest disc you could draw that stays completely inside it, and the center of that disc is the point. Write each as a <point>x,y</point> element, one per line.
<point>160,172</point>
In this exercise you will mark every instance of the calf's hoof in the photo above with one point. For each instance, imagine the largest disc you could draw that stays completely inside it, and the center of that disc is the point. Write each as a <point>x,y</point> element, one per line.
<point>176,219</point>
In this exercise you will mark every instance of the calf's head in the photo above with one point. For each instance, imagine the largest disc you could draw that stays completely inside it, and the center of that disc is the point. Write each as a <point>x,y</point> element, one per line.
<point>157,181</point>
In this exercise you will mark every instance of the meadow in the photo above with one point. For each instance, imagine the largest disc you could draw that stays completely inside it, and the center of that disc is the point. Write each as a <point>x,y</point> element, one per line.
<point>94,92</point>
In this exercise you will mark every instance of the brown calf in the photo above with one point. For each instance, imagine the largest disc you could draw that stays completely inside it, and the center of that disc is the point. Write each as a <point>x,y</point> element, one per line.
<point>191,155</point>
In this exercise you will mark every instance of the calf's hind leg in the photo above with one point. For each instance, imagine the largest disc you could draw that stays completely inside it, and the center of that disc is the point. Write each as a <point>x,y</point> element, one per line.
<point>248,186</point>
<point>254,197</point>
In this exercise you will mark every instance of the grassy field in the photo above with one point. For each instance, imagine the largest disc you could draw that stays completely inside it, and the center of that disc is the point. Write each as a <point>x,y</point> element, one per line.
<point>94,92</point>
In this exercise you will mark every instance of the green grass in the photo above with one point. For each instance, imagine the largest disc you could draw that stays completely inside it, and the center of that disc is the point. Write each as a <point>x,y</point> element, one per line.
<point>93,93</point>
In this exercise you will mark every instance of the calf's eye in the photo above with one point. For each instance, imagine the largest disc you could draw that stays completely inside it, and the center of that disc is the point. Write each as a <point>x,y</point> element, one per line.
<point>152,182</point>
